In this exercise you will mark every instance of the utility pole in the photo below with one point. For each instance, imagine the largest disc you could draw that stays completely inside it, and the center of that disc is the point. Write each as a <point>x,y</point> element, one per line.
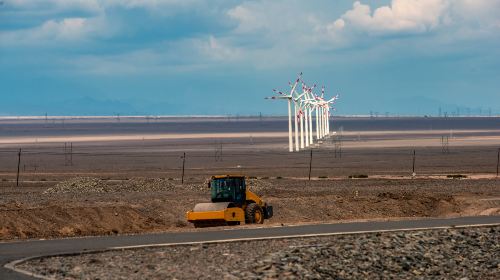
<point>183,164</point>
<point>18,165</point>
<point>66,161</point>
<point>413,170</point>
<point>498,160</point>
<point>310,164</point>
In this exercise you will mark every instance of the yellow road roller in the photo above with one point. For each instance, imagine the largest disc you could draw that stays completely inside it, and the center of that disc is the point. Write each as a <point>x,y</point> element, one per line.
<point>232,204</point>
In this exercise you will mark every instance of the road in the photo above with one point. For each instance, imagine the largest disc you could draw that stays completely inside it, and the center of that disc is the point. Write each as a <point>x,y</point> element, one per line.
<point>11,251</point>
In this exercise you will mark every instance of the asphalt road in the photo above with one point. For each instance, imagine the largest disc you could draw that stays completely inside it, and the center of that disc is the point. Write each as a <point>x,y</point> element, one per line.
<point>17,250</point>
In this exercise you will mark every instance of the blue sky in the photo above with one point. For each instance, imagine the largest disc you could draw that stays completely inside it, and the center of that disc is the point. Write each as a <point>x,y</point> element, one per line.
<point>106,57</point>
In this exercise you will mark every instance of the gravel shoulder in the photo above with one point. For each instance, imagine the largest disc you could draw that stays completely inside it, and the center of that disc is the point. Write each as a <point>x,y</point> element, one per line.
<point>461,253</point>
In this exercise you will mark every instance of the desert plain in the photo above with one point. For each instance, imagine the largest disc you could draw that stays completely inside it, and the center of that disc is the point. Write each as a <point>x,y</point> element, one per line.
<point>91,176</point>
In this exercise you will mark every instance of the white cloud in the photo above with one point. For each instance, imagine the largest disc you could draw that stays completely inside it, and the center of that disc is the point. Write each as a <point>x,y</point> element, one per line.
<point>273,17</point>
<point>55,5</point>
<point>56,31</point>
<point>484,13</point>
<point>95,5</point>
<point>66,29</point>
<point>264,33</point>
<point>218,50</point>
<point>147,3</point>
<point>419,16</point>
<point>413,16</point>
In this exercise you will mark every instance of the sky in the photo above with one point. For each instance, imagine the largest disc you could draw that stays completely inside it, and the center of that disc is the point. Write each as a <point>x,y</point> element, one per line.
<point>189,57</point>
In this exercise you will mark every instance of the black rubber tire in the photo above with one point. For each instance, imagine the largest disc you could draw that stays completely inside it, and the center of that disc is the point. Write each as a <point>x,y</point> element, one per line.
<point>250,212</point>
<point>198,225</point>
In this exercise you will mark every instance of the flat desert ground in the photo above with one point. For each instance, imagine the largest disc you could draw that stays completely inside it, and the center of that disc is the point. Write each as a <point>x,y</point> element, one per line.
<point>96,176</point>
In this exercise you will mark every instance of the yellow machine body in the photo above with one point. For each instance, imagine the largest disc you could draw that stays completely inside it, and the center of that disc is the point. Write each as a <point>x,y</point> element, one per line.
<point>231,212</point>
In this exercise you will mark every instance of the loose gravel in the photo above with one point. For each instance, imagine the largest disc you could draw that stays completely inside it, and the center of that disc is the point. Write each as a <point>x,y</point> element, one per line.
<point>469,253</point>
<point>85,185</point>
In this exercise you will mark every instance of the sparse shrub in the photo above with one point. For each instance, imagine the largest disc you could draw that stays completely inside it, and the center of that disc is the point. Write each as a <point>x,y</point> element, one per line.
<point>170,179</point>
<point>264,177</point>
<point>43,179</point>
<point>456,176</point>
<point>323,177</point>
<point>252,177</point>
<point>4,180</point>
<point>358,176</point>
<point>279,177</point>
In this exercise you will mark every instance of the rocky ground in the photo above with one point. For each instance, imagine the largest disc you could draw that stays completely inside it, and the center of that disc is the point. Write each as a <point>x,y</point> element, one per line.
<point>462,253</point>
<point>93,206</point>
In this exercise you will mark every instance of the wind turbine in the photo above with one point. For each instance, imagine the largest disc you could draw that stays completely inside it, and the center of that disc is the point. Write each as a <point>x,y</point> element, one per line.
<point>309,107</point>
<point>328,102</point>
<point>325,113</point>
<point>289,97</point>
<point>303,106</point>
<point>312,105</point>
<point>304,142</point>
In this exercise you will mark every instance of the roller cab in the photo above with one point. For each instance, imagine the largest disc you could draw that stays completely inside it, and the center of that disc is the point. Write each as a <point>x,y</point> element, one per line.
<point>231,204</point>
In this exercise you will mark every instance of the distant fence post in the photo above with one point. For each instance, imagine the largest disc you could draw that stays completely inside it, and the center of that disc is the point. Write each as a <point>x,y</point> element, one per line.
<point>498,160</point>
<point>71,153</point>
<point>18,166</point>
<point>183,164</point>
<point>413,169</point>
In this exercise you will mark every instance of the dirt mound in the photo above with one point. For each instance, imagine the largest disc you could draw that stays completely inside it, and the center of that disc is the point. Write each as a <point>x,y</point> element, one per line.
<point>157,184</point>
<point>82,185</point>
<point>259,187</point>
<point>78,185</point>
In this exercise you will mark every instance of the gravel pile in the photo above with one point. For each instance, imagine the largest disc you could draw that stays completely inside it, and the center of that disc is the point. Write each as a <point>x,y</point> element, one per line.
<point>82,185</point>
<point>259,187</point>
<point>78,185</point>
<point>472,253</point>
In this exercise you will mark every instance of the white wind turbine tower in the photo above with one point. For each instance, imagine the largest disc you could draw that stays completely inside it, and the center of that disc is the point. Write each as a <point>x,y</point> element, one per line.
<point>304,117</point>
<point>306,122</point>
<point>317,122</point>
<point>331,101</point>
<point>289,97</point>
<point>320,105</point>
<point>301,123</point>
<point>325,114</point>
<point>297,103</point>
<point>310,105</point>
